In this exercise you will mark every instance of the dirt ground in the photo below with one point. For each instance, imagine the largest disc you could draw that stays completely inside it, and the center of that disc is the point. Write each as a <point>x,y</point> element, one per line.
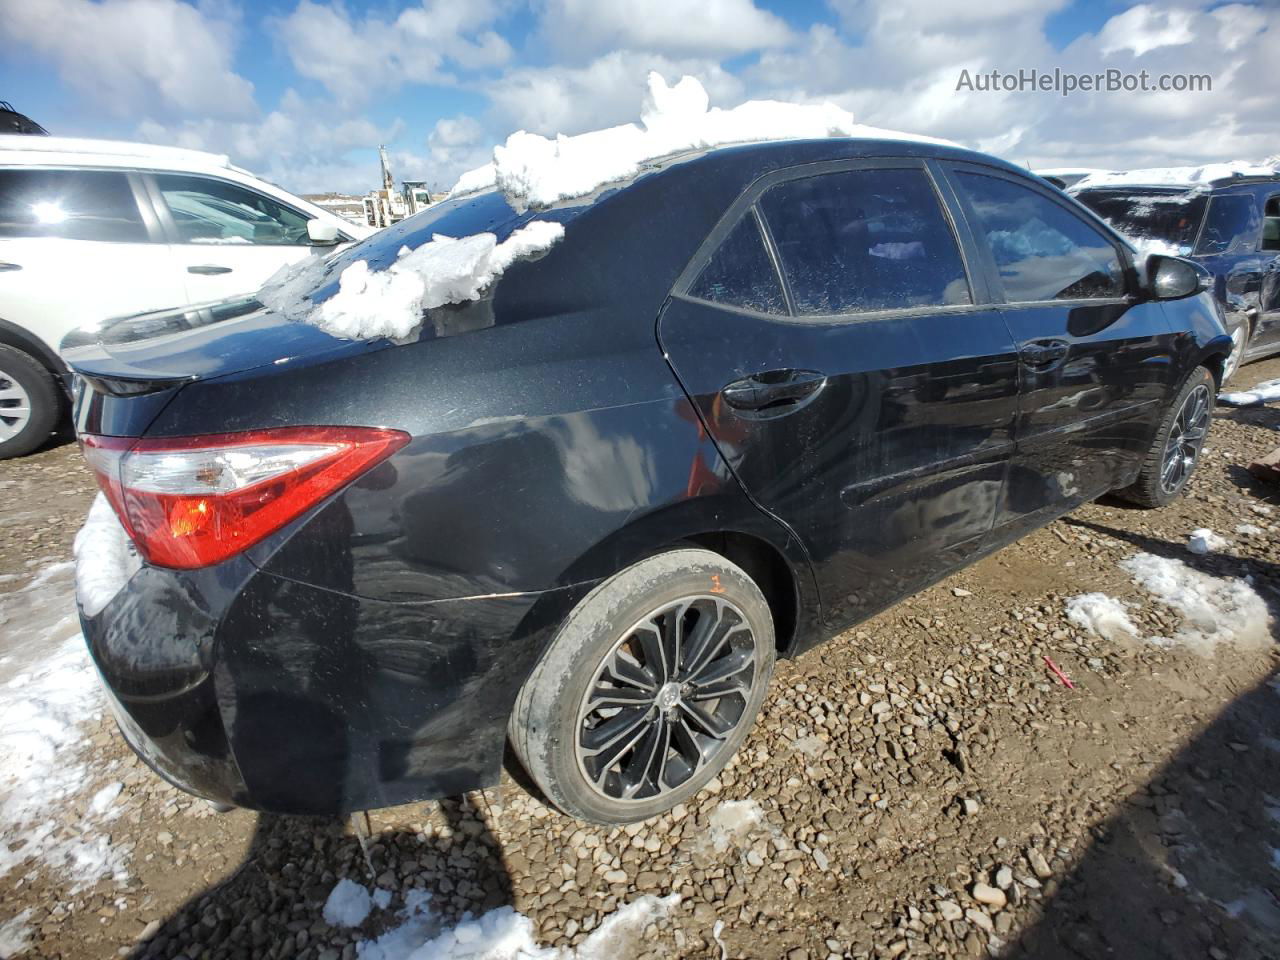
<point>924,785</point>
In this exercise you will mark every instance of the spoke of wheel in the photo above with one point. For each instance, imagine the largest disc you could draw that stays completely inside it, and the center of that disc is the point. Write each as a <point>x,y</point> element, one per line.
<point>648,760</point>
<point>12,393</point>
<point>716,691</point>
<point>619,697</point>
<point>624,671</point>
<point>650,637</point>
<point>672,636</point>
<point>711,643</point>
<point>729,665</point>
<point>708,723</point>
<point>613,731</point>
<point>10,429</point>
<point>686,745</point>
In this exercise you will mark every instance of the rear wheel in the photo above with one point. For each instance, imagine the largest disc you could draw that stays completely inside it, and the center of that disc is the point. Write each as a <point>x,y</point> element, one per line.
<point>1176,449</point>
<point>28,403</point>
<point>648,689</point>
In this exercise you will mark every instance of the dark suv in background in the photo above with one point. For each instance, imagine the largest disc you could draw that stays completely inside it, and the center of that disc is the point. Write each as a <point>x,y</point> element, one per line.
<point>1230,226</point>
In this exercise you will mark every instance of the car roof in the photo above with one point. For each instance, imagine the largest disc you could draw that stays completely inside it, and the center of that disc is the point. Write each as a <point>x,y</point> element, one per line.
<point>16,149</point>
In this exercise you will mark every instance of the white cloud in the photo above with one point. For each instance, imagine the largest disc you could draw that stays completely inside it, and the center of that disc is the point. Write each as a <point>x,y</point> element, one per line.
<point>551,100</point>
<point>298,145</point>
<point>131,56</point>
<point>1143,28</point>
<point>674,27</point>
<point>356,58</point>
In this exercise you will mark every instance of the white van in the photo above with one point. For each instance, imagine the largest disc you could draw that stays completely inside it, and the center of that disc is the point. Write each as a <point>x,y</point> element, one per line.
<point>94,229</point>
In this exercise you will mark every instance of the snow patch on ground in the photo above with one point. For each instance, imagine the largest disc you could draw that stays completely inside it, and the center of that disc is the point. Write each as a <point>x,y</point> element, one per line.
<point>1101,615</point>
<point>105,557</point>
<point>1214,610</point>
<point>1179,176</point>
<point>15,935</point>
<point>499,934</point>
<point>48,691</point>
<point>390,302</point>
<point>1248,530</point>
<point>536,171</point>
<point>1204,541</point>
<point>348,905</point>
<point>732,822</point>
<point>1266,392</point>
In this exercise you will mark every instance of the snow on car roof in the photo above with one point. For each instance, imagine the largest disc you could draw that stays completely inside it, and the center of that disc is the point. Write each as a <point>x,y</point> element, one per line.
<point>535,171</point>
<point>1182,176</point>
<point>23,149</point>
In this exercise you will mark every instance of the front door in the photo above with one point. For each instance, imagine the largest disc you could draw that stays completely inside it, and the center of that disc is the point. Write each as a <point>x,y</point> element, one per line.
<point>1096,364</point>
<point>229,239</point>
<point>848,367</point>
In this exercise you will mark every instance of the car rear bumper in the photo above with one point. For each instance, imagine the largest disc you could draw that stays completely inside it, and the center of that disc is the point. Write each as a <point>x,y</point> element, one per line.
<point>254,690</point>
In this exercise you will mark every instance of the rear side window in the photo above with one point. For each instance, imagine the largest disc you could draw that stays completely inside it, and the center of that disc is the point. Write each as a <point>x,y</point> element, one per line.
<point>865,240</point>
<point>1231,226</point>
<point>69,204</point>
<point>1271,225</point>
<point>1043,251</point>
<point>216,212</point>
<point>740,273</point>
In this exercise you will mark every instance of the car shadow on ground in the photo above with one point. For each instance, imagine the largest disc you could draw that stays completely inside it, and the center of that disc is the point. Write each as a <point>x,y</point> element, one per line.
<point>272,904</point>
<point>1189,867</point>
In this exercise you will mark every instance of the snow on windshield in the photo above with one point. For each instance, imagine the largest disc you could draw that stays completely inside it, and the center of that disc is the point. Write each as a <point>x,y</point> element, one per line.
<point>534,171</point>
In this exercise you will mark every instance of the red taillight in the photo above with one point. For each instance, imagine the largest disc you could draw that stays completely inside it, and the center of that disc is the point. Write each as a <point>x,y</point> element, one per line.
<point>195,501</point>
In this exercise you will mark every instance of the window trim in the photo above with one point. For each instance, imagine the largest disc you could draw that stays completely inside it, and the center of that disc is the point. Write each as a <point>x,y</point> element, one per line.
<point>747,202</point>
<point>1000,297</point>
<point>170,226</point>
<point>145,213</point>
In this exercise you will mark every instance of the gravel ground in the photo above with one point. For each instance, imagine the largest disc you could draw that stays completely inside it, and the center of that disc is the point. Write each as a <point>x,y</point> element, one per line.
<point>923,785</point>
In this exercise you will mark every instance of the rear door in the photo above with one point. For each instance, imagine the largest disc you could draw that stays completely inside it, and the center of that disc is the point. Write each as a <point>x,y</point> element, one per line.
<point>228,239</point>
<point>1267,335</point>
<point>76,248</point>
<point>850,369</point>
<point>1096,365</point>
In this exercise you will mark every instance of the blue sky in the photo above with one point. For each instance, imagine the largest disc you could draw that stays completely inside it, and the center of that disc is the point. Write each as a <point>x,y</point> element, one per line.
<point>304,90</point>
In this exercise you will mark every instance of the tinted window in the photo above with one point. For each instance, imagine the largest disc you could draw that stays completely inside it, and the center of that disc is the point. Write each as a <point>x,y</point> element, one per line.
<point>865,240</point>
<point>740,272</point>
<point>1171,217</point>
<point>214,211</point>
<point>1231,226</point>
<point>1043,251</point>
<point>72,204</point>
<point>1271,225</point>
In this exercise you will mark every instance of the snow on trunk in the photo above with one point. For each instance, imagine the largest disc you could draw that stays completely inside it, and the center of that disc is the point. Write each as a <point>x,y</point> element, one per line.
<point>535,171</point>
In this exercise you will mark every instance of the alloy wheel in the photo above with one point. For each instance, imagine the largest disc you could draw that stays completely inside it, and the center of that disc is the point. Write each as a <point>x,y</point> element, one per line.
<point>15,407</point>
<point>666,699</point>
<point>1186,437</point>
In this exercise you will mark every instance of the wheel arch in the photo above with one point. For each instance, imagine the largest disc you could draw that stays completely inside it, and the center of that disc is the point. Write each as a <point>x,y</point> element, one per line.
<point>12,335</point>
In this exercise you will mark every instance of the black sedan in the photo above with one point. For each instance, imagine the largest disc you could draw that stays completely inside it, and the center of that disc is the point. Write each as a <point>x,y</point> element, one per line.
<point>752,396</point>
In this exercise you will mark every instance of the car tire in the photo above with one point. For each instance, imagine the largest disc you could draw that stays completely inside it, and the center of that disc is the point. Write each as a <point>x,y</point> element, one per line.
<point>613,649</point>
<point>1241,334</point>
<point>1175,451</point>
<point>29,403</point>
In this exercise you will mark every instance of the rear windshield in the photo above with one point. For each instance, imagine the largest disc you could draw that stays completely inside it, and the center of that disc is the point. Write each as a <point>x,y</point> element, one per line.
<point>1169,217</point>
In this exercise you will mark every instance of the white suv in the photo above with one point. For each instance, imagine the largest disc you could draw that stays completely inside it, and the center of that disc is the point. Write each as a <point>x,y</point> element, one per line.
<point>95,229</point>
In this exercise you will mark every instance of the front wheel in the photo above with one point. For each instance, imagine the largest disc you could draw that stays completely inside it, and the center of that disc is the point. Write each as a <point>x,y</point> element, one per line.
<point>1175,451</point>
<point>649,688</point>
<point>29,403</point>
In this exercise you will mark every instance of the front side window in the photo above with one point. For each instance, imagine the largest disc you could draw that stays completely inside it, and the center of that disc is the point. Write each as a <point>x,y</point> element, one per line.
<point>216,212</point>
<point>864,240</point>
<point>1042,250</point>
<point>740,273</point>
<point>1231,225</point>
<point>70,205</point>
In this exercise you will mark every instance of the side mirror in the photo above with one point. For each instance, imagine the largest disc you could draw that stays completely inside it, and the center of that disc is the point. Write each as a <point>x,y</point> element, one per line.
<point>322,234</point>
<point>1172,278</point>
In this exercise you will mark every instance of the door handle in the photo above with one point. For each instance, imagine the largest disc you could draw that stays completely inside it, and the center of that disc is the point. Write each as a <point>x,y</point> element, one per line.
<point>1041,353</point>
<point>775,388</point>
<point>9,267</point>
<point>208,269</point>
